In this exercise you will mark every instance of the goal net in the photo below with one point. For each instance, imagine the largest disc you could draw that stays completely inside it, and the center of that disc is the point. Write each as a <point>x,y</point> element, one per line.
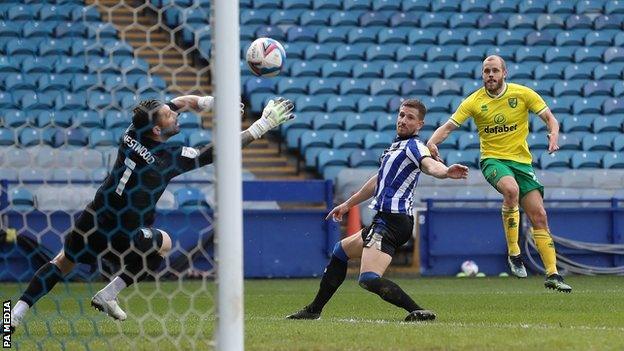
<point>76,70</point>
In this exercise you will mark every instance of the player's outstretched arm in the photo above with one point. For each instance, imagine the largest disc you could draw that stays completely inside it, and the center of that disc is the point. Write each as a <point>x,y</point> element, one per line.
<point>439,170</point>
<point>553,129</point>
<point>365,193</point>
<point>439,136</point>
<point>198,103</point>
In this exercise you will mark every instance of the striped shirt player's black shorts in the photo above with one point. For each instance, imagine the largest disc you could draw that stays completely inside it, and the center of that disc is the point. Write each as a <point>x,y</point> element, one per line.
<point>388,231</point>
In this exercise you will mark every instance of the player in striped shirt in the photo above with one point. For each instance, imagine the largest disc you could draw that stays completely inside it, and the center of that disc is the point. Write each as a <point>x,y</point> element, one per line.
<point>393,188</point>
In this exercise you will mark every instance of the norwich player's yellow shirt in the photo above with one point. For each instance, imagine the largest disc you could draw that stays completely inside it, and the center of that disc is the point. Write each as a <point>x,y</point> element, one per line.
<point>503,122</point>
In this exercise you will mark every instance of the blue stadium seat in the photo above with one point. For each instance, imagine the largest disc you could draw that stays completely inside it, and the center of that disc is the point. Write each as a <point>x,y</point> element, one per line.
<point>550,21</point>
<point>552,71</point>
<point>302,122</point>
<point>503,6</point>
<point>332,35</point>
<point>300,33</point>
<point>362,35</point>
<point>560,7</point>
<point>445,87</point>
<point>327,4</point>
<point>310,103</point>
<point>468,53</point>
<point>315,18</point>
<point>374,18</point>
<point>29,137</point>
<point>255,16</point>
<point>402,19</point>
<point>409,53</point>
<point>326,121</point>
<point>116,119</point>
<point>349,5</point>
<point>578,22</point>
<point>562,104</point>
<point>22,199</point>
<point>363,158</point>
<point>569,142</point>
<point>291,86</point>
<point>71,30</point>
<point>370,103</point>
<point>36,29</point>
<point>434,20</point>
<point>84,47</point>
<point>567,88</point>
<point>361,121</point>
<point>306,69</point>
<point>200,138</point>
<point>341,103</point>
<point>559,54</point>
<point>605,22</point>
<point>101,31</point>
<point>297,4</point>
<point>597,88</point>
<point>459,71</point>
<point>469,158</point>
<point>324,86</point>
<point>415,5</point>
<point>580,160</point>
<point>578,71</point>
<point>612,71</point>
<point>285,17</point>
<point>384,87</point>
<point>608,124</point>
<point>512,37</point>
<point>7,136</point>
<point>351,52</point>
<point>315,139</point>
<point>259,85</point>
<point>540,38</point>
<point>393,35</point>
<point>38,64</point>
<point>380,52</point>
<point>345,18</point>
<point>8,30</point>
<point>385,122</point>
<point>9,65</point>
<point>489,20</point>
<point>537,141</point>
<point>470,86</point>
<point>353,86</point>
<point>101,137</point>
<point>531,6</point>
<point>521,21</point>
<point>588,54</point>
<point>506,52</point>
<point>618,143</point>
<point>556,160</point>
<point>415,87</point>
<point>189,120</point>
<point>614,7</point>
<point>468,141</point>
<point>613,106</point>
<point>377,140</point>
<point>481,37</point>
<point>602,38</point>
<point>14,118</point>
<point>80,82</point>
<point>71,101</point>
<point>613,160</point>
<point>464,20</point>
<point>335,69</point>
<point>190,198</point>
<point>468,6</point>
<point>514,71</point>
<point>445,6</point>
<point>392,70</point>
<point>422,36</point>
<point>576,124</point>
<point>21,47</point>
<point>613,54</point>
<point>14,81</point>
<point>438,104</point>
<point>587,105</point>
<point>524,54</point>
<point>348,140</point>
<point>574,38</point>
<point>452,37</point>
<point>32,101</point>
<point>596,142</point>
<point>440,53</point>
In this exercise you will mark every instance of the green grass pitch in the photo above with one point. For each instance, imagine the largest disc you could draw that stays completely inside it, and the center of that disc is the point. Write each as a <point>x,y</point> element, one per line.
<point>473,314</point>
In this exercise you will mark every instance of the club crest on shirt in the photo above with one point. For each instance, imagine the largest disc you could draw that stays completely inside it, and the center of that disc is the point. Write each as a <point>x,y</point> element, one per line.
<point>513,102</point>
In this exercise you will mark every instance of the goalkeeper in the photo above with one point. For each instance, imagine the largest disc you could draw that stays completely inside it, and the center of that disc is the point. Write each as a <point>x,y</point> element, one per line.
<point>116,225</point>
<point>501,112</point>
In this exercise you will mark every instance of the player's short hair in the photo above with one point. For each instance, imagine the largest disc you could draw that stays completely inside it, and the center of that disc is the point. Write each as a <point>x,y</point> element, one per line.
<point>145,113</point>
<point>496,57</point>
<point>418,105</point>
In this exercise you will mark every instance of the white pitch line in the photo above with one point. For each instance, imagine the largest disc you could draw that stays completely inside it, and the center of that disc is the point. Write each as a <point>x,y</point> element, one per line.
<point>457,324</point>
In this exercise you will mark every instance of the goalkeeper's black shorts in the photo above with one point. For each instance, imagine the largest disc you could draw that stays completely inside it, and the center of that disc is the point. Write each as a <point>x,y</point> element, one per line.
<point>92,240</point>
<point>388,231</point>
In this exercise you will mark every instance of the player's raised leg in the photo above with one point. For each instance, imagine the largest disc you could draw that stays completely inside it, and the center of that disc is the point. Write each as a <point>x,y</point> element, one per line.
<point>149,247</point>
<point>333,276</point>
<point>41,283</point>
<point>533,205</point>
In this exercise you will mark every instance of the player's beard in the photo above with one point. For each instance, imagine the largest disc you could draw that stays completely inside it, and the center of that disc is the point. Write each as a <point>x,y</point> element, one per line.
<point>497,86</point>
<point>170,131</point>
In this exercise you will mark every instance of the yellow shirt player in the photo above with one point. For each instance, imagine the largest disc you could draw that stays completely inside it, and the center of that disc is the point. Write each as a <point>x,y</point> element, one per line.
<point>501,113</point>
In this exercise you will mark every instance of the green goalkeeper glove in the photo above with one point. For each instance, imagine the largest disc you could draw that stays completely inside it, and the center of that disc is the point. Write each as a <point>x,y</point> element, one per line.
<point>275,113</point>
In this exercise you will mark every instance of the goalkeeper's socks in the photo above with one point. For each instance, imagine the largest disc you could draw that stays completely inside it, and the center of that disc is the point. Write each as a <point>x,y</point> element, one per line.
<point>511,218</point>
<point>19,310</point>
<point>113,289</point>
<point>546,249</point>
<point>44,280</point>
<point>334,275</point>
<point>388,291</point>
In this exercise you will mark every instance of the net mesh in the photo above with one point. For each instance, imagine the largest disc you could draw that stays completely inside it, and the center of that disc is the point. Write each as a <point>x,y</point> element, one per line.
<point>94,61</point>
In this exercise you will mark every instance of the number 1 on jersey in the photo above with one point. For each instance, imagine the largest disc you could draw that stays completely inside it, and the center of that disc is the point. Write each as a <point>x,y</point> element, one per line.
<point>126,175</point>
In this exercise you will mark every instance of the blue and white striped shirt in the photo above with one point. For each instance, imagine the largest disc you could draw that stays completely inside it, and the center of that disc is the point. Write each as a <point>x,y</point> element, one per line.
<point>398,175</point>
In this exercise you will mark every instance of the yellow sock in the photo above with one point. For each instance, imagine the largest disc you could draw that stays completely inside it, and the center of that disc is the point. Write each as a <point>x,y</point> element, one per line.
<point>511,217</point>
<point>546,249</point>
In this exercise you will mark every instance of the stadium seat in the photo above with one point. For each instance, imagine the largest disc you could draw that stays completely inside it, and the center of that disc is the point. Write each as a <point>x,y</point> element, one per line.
<point>551,21</point>
<point>468,141</point>
<point>200,138</point>
<point>588,54</point>
<point>14,118</point>
<point>559,54</point>
<point>445,87</point>
<point>578,71</point>
<point>393,35</point>
<point>613,54</point>
<point>540,38</point>
<point>377,140</point>
<point>334,69</point>
<point>434,20</point>
<point>575,38</point>
<point>374,18</point>
<point>613,106</point>
<point>363,158</point>
<point>255,16</point>
<point>315,139</point>
<point>491,20</point>
<point>291,86</point>
<point>576,124</point>
<point>310,103</point>
<point>393,70</point>
<point>567,88</point>
<point>21,199</point>
<point>370,103</point>
<point>379,53</point>
<point>402,19</point>
<point>324,86</point>
<point>452,37</point>
<point>326,121</point>
<point>385,123</point>
<point>353,86</point>
<point>468,53</point>
<point>409,53</point>
<point>315,18</point>
<point>190,198</point>
<point>415,87</point>
<point>560,7</point>
<point>596,142</point>
<point>469,6</point>
<point>556,160</point>
<point>350,52</point>
<point>421,36</point>
<point>515,71</point>
<point>327,4</point>
<point>384,87</point>
<point>345,18</point>
<point>348,140</point>
<point>603,124</point>
<point>469,158</point>
<point>332,157</point>
<point>360,121</point>
<point>29,137</point>
<point>288,17</point>
<point>618,143</point>
<point>525,54</point>
<point>612,71</point>
<point>613,160</point>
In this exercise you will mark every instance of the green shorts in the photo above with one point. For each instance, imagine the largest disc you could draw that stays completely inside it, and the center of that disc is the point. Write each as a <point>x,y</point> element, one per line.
<point>494,169</point>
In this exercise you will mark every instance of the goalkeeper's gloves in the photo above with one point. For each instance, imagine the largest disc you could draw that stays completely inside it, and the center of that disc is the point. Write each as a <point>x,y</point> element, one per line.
<point>275,113</point>
<point>206,103</point>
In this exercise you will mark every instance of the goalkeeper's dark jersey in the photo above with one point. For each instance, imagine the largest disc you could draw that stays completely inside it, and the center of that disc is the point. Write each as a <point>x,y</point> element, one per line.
<point>127,198</point>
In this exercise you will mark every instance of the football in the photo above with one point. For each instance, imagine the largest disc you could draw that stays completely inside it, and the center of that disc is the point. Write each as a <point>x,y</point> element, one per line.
<point>470,268</point>
<point>265,57</point>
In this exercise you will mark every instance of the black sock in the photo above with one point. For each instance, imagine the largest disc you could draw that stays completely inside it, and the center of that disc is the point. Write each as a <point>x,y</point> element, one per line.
<point>334,275</point>
<point>44,280</point>
<point>134,272</point>
<point>390,292</point>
